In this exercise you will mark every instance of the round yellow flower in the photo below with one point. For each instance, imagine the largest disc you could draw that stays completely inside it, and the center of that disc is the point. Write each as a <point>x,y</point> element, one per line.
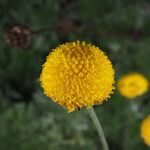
<point>133,85</point>
<point>77,75</point>
<point>145,130</point>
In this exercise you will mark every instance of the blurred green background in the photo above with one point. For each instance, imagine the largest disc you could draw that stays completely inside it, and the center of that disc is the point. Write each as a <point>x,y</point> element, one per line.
<point>29,120</point>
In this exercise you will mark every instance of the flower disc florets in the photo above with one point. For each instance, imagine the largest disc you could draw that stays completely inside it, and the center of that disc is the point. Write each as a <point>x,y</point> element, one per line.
<point>133,85</point>
<point>77,75</point>
<point>145,130</point>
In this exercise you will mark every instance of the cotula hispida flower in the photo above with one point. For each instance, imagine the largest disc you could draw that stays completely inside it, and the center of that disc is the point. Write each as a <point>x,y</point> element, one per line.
<point>132,85</point>
<point>145,130</point>
<point>77,75</point>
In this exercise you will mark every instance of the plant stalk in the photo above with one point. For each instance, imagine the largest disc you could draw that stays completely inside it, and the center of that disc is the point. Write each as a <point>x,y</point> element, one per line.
<point>98,128</point>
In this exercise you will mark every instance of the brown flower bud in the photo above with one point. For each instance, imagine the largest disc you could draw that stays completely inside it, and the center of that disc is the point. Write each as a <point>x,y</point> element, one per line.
<point>18,36</point>
<point>67,26</point>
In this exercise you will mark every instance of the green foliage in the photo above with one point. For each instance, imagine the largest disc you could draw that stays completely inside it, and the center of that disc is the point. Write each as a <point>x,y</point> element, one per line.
<point>28,119</point>
<point>38,126</point>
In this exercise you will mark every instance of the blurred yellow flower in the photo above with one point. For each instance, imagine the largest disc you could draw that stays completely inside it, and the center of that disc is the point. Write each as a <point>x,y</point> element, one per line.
<point>133,85</point>
<point>77,75</point>
<point>145,130</point>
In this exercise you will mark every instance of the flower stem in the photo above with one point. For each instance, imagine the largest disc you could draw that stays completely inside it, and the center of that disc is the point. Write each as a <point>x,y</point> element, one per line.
<point>99,128</point>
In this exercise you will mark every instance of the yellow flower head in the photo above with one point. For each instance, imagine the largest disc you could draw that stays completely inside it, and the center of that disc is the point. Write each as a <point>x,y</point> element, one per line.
<point>77,75</point>
<point>145,130</point>
<point>133,85</point>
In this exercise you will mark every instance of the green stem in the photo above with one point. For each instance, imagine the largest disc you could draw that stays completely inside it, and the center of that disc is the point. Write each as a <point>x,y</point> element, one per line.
<point>99,128</point>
